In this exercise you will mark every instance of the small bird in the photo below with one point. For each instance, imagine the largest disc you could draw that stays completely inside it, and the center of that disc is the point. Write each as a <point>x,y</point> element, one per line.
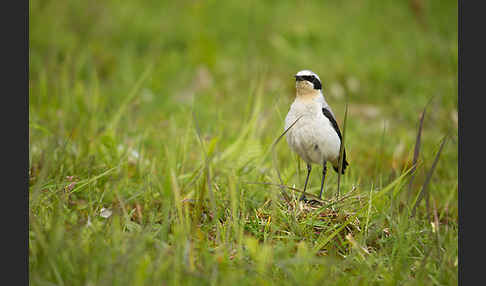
<point>315,135</point>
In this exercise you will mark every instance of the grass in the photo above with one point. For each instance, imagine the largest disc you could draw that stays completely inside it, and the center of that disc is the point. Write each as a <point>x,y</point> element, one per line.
<point>164,115</point>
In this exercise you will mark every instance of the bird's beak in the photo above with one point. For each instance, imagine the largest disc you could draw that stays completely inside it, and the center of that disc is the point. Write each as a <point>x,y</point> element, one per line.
<point>297,78</point>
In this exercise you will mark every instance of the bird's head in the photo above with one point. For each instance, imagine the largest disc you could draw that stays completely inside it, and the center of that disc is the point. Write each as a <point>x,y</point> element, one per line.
<point>307,82</point>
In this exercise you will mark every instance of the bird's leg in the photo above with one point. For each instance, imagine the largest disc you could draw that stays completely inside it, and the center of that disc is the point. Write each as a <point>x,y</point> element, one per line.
<point>306,179</point>
<point>324,169</point>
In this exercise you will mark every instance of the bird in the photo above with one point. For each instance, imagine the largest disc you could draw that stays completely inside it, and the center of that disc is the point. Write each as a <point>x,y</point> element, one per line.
<point>312,130</point>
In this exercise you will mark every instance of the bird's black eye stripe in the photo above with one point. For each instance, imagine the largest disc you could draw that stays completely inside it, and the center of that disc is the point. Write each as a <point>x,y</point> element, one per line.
<point>310,78</point>
<point>317,83</point>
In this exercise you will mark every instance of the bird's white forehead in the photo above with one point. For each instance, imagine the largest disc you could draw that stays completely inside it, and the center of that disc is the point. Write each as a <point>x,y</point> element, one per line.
<point>307,72</point>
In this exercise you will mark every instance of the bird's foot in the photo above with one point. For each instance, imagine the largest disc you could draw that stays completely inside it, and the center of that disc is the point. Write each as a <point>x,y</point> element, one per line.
<point>314,202</point>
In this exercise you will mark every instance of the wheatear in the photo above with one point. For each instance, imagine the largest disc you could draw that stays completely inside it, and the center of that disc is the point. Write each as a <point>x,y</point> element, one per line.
<point>315,137</point>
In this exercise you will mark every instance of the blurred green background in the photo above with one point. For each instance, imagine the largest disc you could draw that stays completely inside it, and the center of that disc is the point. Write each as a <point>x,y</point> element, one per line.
<point>123,84</point>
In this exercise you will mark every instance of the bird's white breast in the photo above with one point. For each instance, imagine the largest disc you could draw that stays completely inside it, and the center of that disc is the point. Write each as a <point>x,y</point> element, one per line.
<point>313,136</point>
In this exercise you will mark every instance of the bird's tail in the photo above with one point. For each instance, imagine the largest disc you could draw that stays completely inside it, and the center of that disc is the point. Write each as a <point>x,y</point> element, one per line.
<point>345,164</point>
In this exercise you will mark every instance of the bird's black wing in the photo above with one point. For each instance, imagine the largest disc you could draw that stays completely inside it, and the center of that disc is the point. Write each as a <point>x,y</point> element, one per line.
<point>334,124</point>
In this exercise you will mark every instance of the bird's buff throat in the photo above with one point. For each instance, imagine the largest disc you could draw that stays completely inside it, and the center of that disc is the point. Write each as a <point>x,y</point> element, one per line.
<point>305,91</point>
